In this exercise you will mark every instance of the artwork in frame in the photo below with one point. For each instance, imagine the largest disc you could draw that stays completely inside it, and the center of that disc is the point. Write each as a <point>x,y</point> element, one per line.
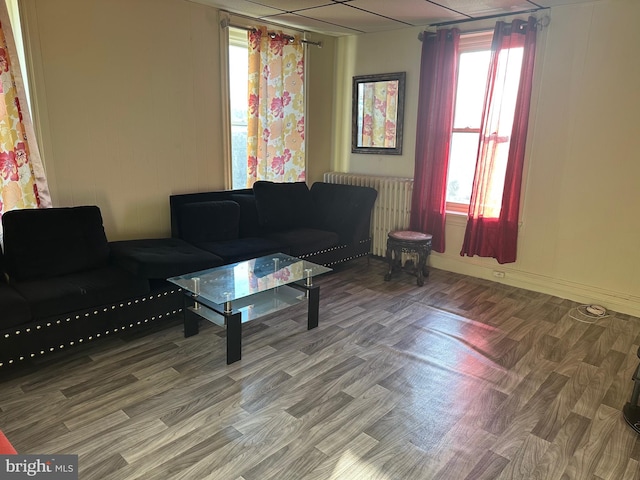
<point>377,113</point>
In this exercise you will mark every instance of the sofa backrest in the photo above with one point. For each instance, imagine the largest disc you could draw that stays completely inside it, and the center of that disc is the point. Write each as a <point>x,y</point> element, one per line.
<point>176,202</point>
<point>49,242</point>
<point>282,206</point>
<point>210,221</point>
<point>2,269</point>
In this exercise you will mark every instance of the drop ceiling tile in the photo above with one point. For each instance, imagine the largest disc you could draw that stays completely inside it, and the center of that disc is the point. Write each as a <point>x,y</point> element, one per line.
<point>476,8</point>
<point>353,18</point>
<point>242,7</point>
<point>554,3</point>
<point>413,12</point>
<point>310,24</point>
<point>293,5</point>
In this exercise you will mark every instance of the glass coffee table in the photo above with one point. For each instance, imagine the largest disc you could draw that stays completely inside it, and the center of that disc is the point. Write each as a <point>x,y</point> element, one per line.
<point>234,294</point>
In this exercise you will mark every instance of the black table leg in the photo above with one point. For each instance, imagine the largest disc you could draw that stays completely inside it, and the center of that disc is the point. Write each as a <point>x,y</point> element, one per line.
<point>313,308</point>
<point>191,319</point>
<point>234,337</point>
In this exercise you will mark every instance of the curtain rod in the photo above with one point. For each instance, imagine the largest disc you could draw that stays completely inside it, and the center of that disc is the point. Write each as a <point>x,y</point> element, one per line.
<point>487,17</point>
<point>225,23</point>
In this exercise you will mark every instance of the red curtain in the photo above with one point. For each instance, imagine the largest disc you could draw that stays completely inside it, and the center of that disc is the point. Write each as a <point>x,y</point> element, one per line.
<point>438,74</point>
<point>492,226</point>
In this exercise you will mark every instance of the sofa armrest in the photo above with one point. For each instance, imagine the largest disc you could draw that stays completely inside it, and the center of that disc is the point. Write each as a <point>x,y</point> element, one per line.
<point>344,209</point>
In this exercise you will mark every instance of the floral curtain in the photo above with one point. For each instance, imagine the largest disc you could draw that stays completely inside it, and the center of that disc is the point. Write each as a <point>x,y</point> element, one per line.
<point>379,128</point>
<point>275,130</point>
<point>22,180</point>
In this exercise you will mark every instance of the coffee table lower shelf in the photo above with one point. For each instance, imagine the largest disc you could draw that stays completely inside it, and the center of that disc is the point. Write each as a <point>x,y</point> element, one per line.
<point>247,309</point>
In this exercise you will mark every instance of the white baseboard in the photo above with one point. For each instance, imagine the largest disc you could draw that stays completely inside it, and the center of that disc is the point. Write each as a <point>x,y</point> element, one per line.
<point>586,294</point>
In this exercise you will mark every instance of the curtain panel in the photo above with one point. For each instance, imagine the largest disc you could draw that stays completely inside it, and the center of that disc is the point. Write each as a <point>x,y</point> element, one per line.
<point>492,225</point>
<point>276,123</point>
<point>22,179</point>
<point>438,74</point>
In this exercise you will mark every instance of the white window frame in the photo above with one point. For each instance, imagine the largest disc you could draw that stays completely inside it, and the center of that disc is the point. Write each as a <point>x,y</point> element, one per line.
<point>471,42</point>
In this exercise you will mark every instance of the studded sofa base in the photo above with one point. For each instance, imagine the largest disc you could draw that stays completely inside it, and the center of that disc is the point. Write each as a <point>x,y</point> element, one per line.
<point>30,341</point>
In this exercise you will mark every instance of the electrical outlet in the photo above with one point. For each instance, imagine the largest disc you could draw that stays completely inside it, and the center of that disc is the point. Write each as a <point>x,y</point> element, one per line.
<point>498,273</point>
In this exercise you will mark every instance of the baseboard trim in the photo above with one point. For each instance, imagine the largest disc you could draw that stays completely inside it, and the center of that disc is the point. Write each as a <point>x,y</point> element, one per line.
<point>627,304</point>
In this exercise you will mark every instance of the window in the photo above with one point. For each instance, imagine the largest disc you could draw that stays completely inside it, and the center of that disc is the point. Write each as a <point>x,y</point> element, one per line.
<point>473,65</point>
<point>238,93</point>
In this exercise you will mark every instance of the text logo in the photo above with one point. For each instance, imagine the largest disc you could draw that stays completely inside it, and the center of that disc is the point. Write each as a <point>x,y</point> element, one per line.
<point>50,467</point>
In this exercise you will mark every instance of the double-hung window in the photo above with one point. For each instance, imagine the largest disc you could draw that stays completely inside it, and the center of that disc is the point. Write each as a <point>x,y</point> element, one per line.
<point>239,103</point>
<point>473,64</point>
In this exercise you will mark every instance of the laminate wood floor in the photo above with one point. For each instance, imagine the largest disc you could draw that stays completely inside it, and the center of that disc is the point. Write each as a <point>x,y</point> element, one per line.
<point>459,379</point>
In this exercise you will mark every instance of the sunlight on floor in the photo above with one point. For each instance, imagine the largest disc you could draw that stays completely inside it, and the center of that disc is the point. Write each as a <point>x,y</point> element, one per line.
<point>352,467</point>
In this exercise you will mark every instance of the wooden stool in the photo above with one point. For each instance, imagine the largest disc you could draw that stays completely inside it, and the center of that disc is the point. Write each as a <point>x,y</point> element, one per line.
<point>405,241</point>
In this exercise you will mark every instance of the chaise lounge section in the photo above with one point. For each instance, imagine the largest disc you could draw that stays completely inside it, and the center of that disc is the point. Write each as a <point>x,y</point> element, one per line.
<point>61,286</point>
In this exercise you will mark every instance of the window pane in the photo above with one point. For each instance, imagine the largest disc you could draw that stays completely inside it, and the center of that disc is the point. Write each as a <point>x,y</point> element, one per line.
<point>472,74</point>
<point>239,155</point>
<point>238,93</point>
<point>462,164</point>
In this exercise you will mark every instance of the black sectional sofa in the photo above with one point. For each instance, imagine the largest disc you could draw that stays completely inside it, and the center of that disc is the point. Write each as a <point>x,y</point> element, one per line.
<point>63,284</point>
<point>326,224</point>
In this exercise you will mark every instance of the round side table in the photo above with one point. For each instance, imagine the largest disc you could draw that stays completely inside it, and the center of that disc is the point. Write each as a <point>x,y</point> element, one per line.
<point>406,241</point>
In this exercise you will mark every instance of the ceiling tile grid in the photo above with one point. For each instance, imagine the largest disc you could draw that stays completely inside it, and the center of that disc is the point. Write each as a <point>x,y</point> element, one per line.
<point>347,17</point>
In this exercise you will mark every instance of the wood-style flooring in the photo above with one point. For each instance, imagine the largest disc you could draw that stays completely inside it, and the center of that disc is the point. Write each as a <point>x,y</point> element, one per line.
<point>459,379</point>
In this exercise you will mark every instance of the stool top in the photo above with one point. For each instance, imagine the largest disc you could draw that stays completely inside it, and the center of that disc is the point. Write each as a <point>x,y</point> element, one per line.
<point>408,235</point>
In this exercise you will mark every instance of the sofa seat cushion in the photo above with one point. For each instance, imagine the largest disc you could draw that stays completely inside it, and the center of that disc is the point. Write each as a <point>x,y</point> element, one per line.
<point>244,248</point>
<point>78,291</point>
<point>161,258</point>
<point>15,309</point>
<point>302,241</point>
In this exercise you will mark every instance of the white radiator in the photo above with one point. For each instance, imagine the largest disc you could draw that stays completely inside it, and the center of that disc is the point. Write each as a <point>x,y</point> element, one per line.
<point>392,208</point>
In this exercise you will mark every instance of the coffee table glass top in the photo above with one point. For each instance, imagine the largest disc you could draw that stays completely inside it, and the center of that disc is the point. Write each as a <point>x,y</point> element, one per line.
<point>238,280</point>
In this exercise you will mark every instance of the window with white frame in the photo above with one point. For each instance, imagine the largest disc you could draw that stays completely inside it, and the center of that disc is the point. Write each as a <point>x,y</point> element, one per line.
<point>238,96</point>
<point>473,65</point>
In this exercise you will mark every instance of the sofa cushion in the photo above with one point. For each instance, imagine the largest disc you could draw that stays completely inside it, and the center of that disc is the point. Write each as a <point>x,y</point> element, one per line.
<point>161,258</point>
<point>283,206</point>
<point>345,209</point>
<point>15,309</point>
<point>244,248</point>
<point>303,241</point>
<point>48,242</point>
<point>249,221</point>
<point>77,291</point>
<point>209,221</point>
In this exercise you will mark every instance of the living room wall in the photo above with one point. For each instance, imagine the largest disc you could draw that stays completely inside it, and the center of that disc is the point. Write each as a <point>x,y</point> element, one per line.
<point>127,105</point>
<point>579,237</point>
<point>128,112</point>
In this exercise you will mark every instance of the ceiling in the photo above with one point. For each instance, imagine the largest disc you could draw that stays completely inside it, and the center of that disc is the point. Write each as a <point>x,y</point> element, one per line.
<point>349,17</point>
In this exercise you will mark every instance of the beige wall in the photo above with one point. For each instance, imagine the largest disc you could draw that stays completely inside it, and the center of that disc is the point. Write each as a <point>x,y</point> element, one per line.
<point>128,112</point>
<point>127,97</point>
<point>128,106</point>
<point>580,237</point>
